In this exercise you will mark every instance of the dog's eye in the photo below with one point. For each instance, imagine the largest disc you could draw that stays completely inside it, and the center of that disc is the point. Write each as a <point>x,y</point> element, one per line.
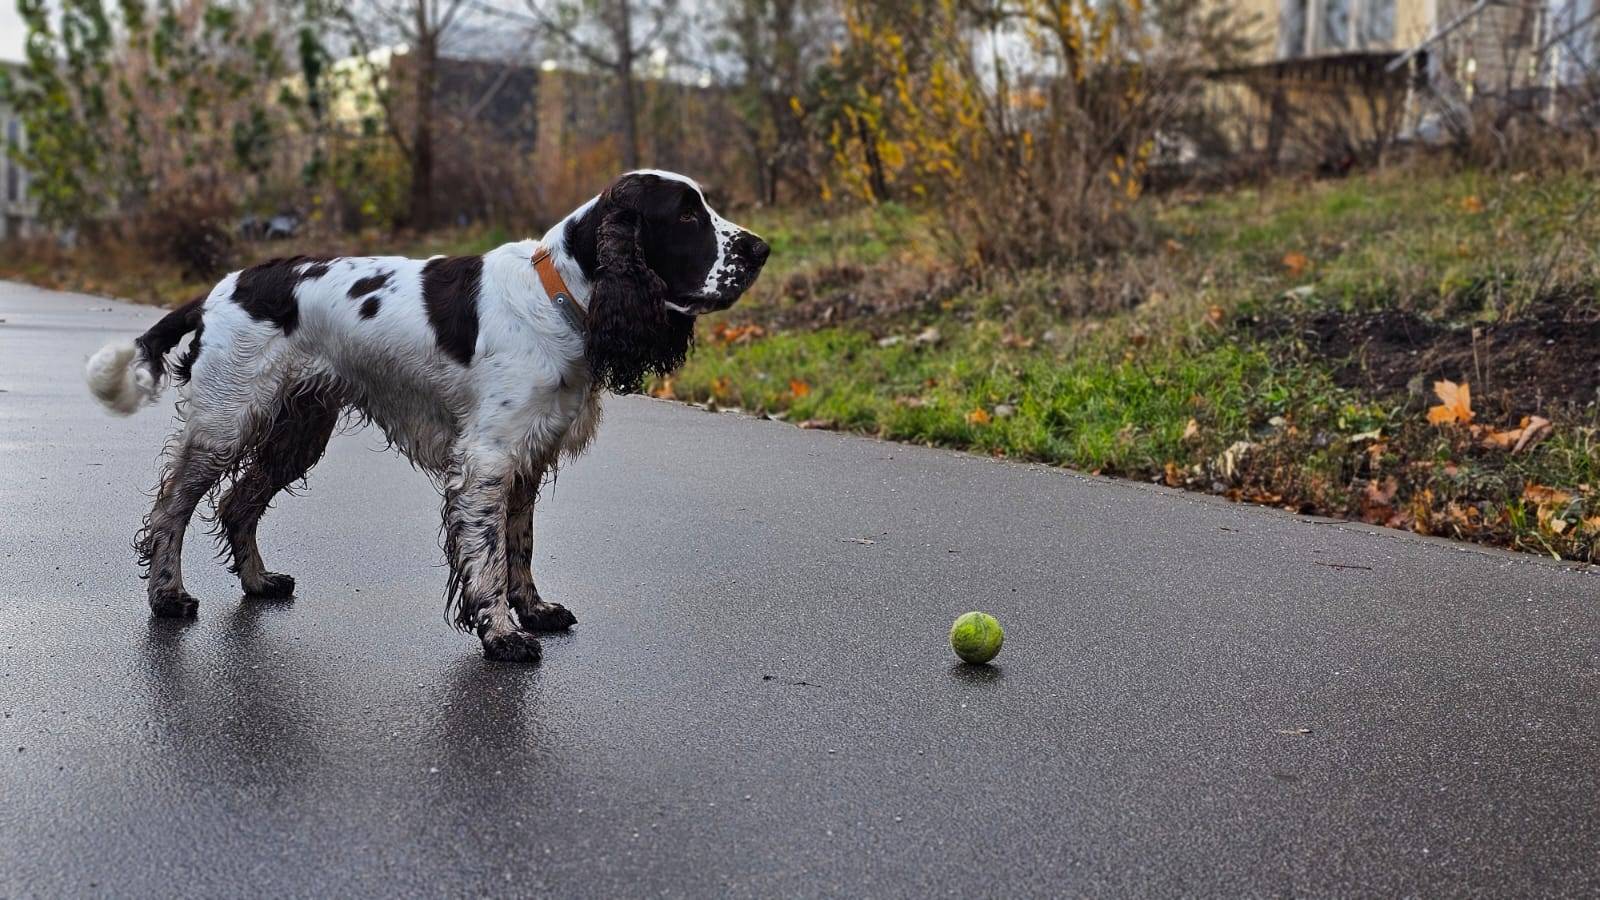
<point>689,217</point>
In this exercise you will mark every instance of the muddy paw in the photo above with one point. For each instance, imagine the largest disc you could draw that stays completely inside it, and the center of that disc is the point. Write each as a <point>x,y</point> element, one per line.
<point>272,587</point>
<point>513,646</point>
<point>174,606</point>
<point>545,617</point>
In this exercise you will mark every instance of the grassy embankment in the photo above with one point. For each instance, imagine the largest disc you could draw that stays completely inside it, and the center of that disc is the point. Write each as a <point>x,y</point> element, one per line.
<point>1277,345</point>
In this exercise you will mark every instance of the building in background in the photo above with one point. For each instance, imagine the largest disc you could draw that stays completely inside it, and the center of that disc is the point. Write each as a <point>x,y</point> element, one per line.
<point>1333,81</point>
<point>17,211</point>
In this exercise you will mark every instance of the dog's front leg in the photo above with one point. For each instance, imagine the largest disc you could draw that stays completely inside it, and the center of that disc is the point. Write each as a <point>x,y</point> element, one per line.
<point>476,504</point>
<point>533,611</point>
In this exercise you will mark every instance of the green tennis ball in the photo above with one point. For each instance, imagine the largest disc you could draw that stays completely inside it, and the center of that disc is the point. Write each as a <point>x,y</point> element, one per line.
<point>976,637</point>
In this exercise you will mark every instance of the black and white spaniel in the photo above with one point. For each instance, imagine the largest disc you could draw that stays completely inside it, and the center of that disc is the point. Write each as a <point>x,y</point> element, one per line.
<point>469,365</point>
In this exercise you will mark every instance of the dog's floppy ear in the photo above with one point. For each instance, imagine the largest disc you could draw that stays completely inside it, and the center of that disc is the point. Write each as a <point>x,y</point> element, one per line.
<point>632,333</point>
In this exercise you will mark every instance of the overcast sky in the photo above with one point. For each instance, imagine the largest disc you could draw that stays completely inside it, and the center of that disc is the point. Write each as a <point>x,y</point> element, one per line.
<point>10,31</point>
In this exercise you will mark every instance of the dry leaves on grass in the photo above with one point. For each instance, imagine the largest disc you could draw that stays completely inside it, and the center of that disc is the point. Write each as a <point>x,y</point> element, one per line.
<point>979,416</point>
<point>1532,430</point>
<point>725,333</point>
<point>1297,263</point>
<point>1471,204</point>
<point>1455,408</point>
<point>1553,506</point>
<point>798,388</point>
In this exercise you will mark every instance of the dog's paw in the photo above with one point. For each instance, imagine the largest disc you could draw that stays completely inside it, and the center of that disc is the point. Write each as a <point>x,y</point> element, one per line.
<point>512,646</point>
<point>541,616</point>
<point>272,587</point>
<point>174,606</point>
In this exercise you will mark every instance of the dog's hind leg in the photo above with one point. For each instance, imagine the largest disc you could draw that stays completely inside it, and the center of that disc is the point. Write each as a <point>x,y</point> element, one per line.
<point>477,491</point>
<point>192,469</point>
<point>533,612</point>
<point>285,453</point>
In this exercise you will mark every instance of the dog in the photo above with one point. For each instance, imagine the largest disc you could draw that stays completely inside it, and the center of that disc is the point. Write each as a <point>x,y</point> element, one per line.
<point>484,371</point>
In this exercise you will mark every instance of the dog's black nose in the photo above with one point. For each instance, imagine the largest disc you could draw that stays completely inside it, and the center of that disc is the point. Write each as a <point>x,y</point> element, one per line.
<point>756,248</point>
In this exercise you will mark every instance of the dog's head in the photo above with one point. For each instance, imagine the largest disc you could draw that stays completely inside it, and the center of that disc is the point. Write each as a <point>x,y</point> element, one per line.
<point>656,255</point>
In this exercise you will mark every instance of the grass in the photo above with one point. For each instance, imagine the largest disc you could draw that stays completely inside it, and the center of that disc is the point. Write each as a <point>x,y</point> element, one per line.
<point>1053,366</point>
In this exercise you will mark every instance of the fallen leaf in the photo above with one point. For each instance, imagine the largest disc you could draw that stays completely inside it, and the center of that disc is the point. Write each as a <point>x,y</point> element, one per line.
<point>1471,205</point>
<point>1191,430</point>
<point>798,388</point>
<point>1542,495</point>
<point>1004,411</point>
<point>725,333</point>
<point>891,340</point>
<point>821,424</point>
<point>1455,403</point>
<point>927,336</point>
<point>663,390</point>
<point>1534,429</point>
<point>1296,263</point>
<point>1377,501</point>
<point>1172,475</point>
<point>1227,463</point>
<point>1214,315</point>
<point>719,387</point>
<point>979,416</point>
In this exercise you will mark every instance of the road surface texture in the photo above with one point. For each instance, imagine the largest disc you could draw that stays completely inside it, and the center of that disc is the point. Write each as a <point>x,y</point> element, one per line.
<point>1194,698</point>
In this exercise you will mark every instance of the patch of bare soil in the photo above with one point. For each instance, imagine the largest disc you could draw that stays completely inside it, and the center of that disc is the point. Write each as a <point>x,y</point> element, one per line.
<point>1546,360</point>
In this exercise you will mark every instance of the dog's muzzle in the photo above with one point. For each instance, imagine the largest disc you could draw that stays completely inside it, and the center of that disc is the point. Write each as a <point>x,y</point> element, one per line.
<point>746,255</point>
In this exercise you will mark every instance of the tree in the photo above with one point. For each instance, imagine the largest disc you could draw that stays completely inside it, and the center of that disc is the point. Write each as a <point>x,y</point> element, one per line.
<point>775,46</point>
<point>129,105</point>
<point>422,26</point>
<point>612,36</point>
<point>1035,121</point>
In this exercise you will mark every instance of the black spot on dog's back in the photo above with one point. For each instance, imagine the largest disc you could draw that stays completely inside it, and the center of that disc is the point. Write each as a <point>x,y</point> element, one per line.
<point>450,287</point>
<point>369,284</point>
<point>369,308</point>
<point>266,291</point>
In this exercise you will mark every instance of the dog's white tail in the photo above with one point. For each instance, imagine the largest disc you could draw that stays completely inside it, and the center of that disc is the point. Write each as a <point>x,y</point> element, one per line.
<point>120,377</point>
<point>126,376</point>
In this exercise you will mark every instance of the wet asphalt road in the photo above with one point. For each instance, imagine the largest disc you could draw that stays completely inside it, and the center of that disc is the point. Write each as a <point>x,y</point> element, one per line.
<point>1195,698</point>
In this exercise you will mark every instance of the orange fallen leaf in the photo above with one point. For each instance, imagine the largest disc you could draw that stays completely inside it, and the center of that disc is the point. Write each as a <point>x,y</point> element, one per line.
<point>798,388</point>
<point>1534,429</point>
<point>663,390</point>
<point>724,333</point>
<point>1455,404</point>
<point>719,387</point>
<point>1296,262</point>
<point>1542,495</point>
<point>1214,315</point>
<point>979,416</point>
<point>1471,205</point>
<point>1172,475</point>
<point>1377,501</point>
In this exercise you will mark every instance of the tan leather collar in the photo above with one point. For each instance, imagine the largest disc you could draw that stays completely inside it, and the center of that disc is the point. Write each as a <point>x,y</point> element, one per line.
<point>556,288</point>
